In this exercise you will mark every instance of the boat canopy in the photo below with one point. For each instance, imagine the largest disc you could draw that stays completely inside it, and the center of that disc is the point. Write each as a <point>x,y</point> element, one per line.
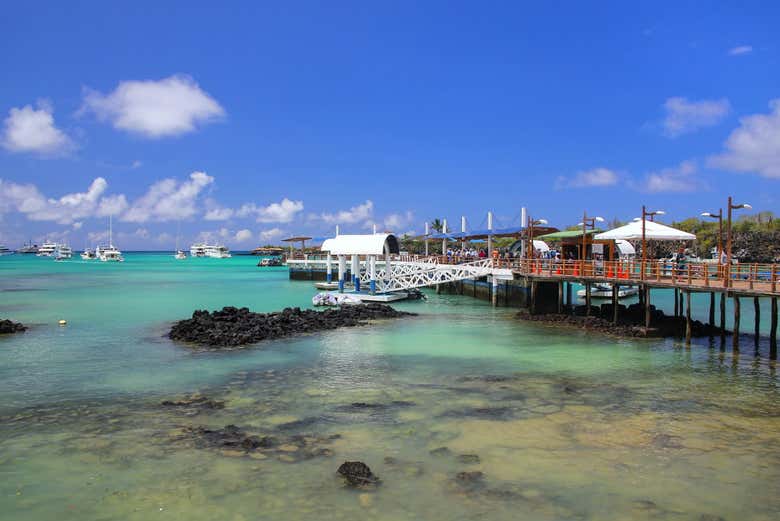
<point>653,232</point>
<point>371,244</point>
<point>566,234</point>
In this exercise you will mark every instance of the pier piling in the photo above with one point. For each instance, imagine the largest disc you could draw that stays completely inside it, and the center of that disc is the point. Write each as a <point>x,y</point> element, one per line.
<point>757,308</point>
<point>722,318</point>
<point>676,305</point>
<point>587,299</point>
<point>615,303</point>
<point>712,309</point>
<point>735,337</point>
<point>773,330</point>
<point>647,306</point>
<point>688,325</point>
<point>560,297</point>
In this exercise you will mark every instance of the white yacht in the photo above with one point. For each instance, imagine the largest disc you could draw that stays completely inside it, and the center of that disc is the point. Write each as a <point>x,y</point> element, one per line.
<point>198,250</point>
<point>4,250</point>
<point>109,253</point>
<point>28,248</point>
<point>88,254</point>
<point>180,255</point>
<point>47,249</point>
<point>603,290</point>
<point>218,252</point>
<point>62,252</point>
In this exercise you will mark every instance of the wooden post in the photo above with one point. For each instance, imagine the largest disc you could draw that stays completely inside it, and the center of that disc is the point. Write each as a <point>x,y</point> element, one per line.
<point>560,297</point>
<point>569,297</point>
<point>587,299</point>
<point>712,309</point>
<point>757,310</point>
<point>532,306</point>
<point>615,303</point>
<point>773,330</point>
<point>647,306</point>
<point>735,333</point>
<point>676,307</point>
<point>681,303</point>
<point>723,316</point>
<point>688,325</point>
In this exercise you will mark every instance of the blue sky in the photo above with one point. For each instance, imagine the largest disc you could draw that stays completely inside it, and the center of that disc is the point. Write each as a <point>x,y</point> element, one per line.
<point>260,120</point>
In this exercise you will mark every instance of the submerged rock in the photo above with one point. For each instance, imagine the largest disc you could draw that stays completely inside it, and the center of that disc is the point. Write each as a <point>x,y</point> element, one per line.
<point>233,327</point>
<point>194,402</point>
<point>357,474</point>
<point>8,327</point>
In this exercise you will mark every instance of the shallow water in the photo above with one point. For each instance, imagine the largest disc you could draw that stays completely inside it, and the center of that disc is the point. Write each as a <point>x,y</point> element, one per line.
<point>562,425</point>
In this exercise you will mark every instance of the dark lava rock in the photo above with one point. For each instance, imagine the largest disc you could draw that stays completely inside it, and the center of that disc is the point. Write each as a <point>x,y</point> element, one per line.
<point>8,327</point>
<point>357,474</point>
<point>489,413</point>
<point>232,327</point>
<point>469,459</point>
<point>194,402</point>
<point>441,451</point>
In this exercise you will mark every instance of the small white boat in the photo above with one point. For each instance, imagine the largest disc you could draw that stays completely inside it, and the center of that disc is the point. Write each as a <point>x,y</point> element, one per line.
<point>270,261</point>
<point>28,248</point>
<point>604,291</point>
<point>4,250</point>
<point>209,250</point>
<point>109,253</point>
<point>180,255</point>
<point>62,252</point>
<point>88,254</point>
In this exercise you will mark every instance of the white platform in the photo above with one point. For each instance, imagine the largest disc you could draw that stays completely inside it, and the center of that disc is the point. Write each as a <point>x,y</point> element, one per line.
<point>379,297</point>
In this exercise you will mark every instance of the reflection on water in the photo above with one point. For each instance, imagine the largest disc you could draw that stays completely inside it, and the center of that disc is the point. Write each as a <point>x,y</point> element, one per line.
<point>463,413</point>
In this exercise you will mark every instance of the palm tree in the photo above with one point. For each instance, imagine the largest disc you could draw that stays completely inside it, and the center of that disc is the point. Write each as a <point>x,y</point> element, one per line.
<point>437,225</point>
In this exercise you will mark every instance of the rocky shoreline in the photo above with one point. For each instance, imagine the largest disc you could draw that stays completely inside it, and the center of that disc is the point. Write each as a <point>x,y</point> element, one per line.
<point>7,327</point>
<point>235,327</point>
<point>631,322</point>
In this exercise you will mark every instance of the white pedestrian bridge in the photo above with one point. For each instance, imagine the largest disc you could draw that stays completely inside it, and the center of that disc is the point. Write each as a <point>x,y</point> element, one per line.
<point>377,265</point>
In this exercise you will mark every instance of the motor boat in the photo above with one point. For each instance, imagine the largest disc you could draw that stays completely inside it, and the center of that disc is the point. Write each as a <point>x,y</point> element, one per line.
<point>109,253</point>
<point>218,252</point>
<point>5,251</point>
<point>180,255</point>
<point>270,261</point>
<point>604,291</point>
<point>28,248</point>
<point>198,250</point>
<point>88,254</point>
<point>47,249</point>
<point>62,252</point>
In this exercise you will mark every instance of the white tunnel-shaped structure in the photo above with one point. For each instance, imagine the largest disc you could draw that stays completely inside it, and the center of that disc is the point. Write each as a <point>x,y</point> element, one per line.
<point>370,245</point>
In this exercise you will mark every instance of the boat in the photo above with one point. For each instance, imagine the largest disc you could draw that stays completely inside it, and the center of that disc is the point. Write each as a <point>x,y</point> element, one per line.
<point>88,254</point>
<point>109,253</point>
<point>62,252</point>
<point>5,251</point>
<point>28,248</point>
<point>218,252</point>
<point>47,249</point>
<point>604,291</point>
<point>198,250</point>
<point>270,261</point>
<point>180,255</point>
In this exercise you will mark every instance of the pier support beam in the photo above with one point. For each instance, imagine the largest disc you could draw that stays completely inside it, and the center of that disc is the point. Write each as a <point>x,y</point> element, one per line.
<point>587,299</point>
<point>757,311</point>
<point>494,293</point>
<point>773,330</point>
<point>688,325</point>
<point>372,274</point>
<point>723,318</point>
<point>560,297</point>
<point>676,303</point>
<point>681,303</point>
<point>712,309</point>
<point>615,303</point>
<point>329,267</point>
<point>737,314</point>
<point>568,297</point>
<point>342,272</point>
<point>532,306</point>
<point>355,269</point>
<point>647,307</point>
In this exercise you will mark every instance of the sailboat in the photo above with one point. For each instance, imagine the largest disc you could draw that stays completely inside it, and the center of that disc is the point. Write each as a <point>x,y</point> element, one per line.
<point>110,253</point>
<point>180,255</point>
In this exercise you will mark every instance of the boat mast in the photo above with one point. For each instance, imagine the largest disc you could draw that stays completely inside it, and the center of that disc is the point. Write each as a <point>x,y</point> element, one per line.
<point>110,234</point>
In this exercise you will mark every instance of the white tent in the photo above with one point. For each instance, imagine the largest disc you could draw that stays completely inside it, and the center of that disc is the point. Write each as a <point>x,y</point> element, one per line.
<point>653,232</point>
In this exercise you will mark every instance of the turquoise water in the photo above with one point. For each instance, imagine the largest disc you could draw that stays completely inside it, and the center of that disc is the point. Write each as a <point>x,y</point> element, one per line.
<point>565,425</point>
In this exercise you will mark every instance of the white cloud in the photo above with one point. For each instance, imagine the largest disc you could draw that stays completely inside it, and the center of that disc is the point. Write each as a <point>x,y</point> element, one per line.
<point>681,178</point>
<point>243,235</point>
<point>270,235</point>
<point>111,205</point>
<point>361,212</point>
<point>218,213</point>
<point>683,116</point>
<point>754,146</point>
<point>596,177</point>
<point>164,238</point>
<point>281,212</point>
<point>168,200</point>
<point>141,233</point>
<point>30,130</point>
<point>136,164</point>
<point>396,221</point>
<point>153,109</point>
<point>742,49</point>
<point>97,237</point>
<point>69,208</point>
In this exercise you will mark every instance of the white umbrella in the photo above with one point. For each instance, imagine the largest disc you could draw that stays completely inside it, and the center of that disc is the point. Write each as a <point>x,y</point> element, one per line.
<point>653,232</point>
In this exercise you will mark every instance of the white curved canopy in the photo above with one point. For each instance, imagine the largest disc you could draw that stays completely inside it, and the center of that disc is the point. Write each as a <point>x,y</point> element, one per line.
<point>541,246</point>
<point>370,244</point>
<point>625,247</point>
<point>653,232</point>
